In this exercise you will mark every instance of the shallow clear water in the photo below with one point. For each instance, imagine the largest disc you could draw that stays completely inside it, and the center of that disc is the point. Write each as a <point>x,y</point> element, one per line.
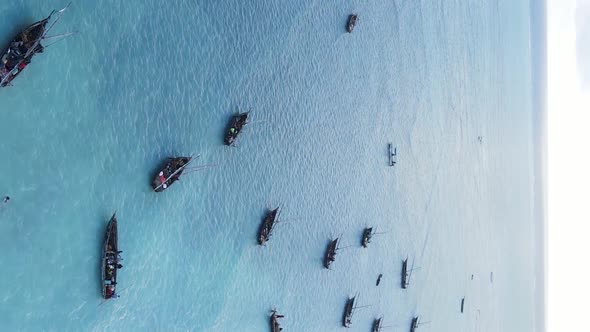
<point>86,125</point>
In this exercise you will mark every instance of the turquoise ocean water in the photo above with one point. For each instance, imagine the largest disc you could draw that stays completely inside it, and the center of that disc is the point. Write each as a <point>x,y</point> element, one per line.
<point>84,128</point>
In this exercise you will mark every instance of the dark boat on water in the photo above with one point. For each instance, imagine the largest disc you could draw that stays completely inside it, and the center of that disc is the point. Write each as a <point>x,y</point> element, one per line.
<point>274,321</point>
<point>265,229</point>
<point>414,324</point>
<point>348,309</point>
<point>351,22</point>
<point>24,46</point>
<point>330,255</point>
<point>367,235</point>
<point>234,128</point>
<point>377,325</point>
<point>392,155</point>
<point>170,173</point>
<point>462,304</point>
<point>110,260</point>
<point>405,275</point>
<point>379,279</point>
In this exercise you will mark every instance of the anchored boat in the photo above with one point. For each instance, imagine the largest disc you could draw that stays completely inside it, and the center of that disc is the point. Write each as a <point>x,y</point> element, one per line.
<point>26,45</point>
<point>377,325</point>
<point>170,173</point>
<point>330,255</point>
<point>414,324</point>
<point>348,310</point>
<point>110,260</point>
<point>266,227</point>
<point>367,235</point>
<point>405,275</point>
<point>392,154</point>
<point>379,279</point>
<point>351,23</point>
<point>274,321</point>
<point>234,128</point>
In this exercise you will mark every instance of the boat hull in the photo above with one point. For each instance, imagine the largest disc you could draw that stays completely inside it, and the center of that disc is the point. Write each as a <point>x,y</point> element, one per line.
<point>347,316</point>
<point>20,51</point>
<point>110,259</point>
<point>376,325</point>
<point>235,126</point>
<point>266,227</point>
<point>169,173</point>
<point>330,255</point>
<point>404,282</point>
<point>366,239</point>
<point>351,23</point>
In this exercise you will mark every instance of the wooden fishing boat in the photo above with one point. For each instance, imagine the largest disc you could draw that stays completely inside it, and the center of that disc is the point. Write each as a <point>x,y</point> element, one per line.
<point>170,173</point>
<point>110,260</point>
<point>405,275</point>
<point>351,22</point>
<point>25,45</point>
<point>462,304</point>
<point>267,225</point>
<point>377,325</point>
<point>414,324</point>
<point>234,128</point>
<point>392,154</point>
<point>367,235</point>
<point>330,255</point>
<point>348,311</point>
<point>274,321</point>
<point>379,279</point>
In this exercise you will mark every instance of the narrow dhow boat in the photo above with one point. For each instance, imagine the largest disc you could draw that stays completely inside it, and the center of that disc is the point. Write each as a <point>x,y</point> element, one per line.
<point>330,255</point>
<point>236,124</point>
<point>379,280</point>
<point>110,260</point>
<point>377,325</point>
<point>267,225</point>
<point>392,155</point>
<point>348,311</point>
<point>367,235</point>
<point>274,321</point>
<point>462,304</point>
<point>405,275</point>
<point>414,324</point>
<point>27,44</point>
<point>170,173</point>
<point>351,22</point>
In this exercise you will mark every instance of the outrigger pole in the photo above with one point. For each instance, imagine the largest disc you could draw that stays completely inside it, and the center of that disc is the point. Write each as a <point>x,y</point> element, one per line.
<point>380,233</point>
<point>60,36</point>
<point>364,306</point>
<point>60,13</point>
<point>200,168</point>
<point>412,270</point>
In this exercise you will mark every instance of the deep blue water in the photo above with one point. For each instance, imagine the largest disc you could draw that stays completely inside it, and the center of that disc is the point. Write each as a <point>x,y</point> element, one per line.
<point>86,125</point>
